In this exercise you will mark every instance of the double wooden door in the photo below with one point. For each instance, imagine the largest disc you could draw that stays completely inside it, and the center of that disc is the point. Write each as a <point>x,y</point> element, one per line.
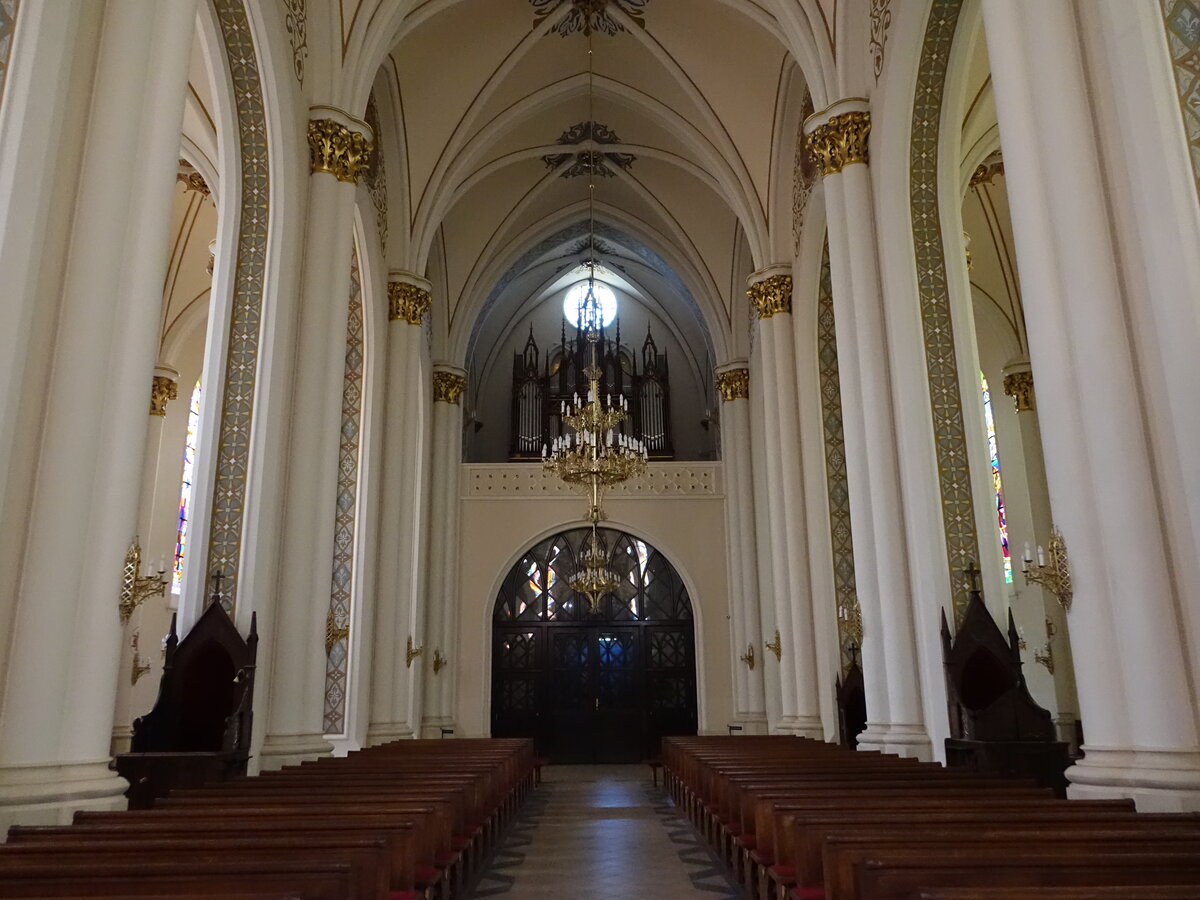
<point>594,692</point>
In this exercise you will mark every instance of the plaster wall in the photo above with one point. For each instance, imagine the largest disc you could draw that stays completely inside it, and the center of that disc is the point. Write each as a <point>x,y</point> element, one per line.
<point>680,510</point>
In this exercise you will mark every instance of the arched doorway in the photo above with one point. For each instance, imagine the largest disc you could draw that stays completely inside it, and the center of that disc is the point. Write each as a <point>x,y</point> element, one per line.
<point>593,688</point>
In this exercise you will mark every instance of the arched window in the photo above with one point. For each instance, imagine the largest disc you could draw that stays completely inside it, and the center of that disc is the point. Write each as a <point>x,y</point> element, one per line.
<point>185,488</point>
<point>994,456</point>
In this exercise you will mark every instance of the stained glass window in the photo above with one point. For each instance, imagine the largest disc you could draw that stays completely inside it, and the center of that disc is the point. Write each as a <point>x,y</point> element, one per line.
<point>185,488</point>
<point>994,455</point>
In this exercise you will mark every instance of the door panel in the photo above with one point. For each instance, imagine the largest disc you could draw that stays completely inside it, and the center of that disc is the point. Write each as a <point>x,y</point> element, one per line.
<point>618,726</point>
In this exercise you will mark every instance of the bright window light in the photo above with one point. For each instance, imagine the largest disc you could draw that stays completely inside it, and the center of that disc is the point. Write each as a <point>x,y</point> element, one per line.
<point>608,302</point>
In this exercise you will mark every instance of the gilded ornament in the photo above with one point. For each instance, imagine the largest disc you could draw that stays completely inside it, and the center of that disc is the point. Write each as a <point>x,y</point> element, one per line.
<point>439,662</point>
<point>334,632</point>
<point>1019,386</point>
<point>448,387</point>
<point>407,301</point>
<point>138,666</point>
<point>411,653</point>
<point>162,391</point>
<point>191,179</point>
<point>986,172</point>
<point>334,148</point>
<point>771,295</point>
<point>136,588</point>
<point>775,646</point>
<point>840,142</point>
<point>734,384</point>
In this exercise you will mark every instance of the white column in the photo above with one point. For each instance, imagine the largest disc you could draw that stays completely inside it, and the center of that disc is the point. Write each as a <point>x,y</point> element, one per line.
<point>1135,695</point>
<point>763,551</point>
<point>1033,605</point>
<point>771,293</point>
<point>60,680</point>
<point>395,686</point>
<point>889,654</point>
<point>338,145</point>
<point>442,601</point>
<point>733,381</point>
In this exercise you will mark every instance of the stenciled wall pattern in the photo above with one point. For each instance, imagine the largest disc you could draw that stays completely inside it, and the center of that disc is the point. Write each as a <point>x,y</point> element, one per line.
<point>241,361</point>
<point>848,611</point>
<point>1181,19</point>
<point>341,595</point>
<point>8,25</point>
<point>954,473</point>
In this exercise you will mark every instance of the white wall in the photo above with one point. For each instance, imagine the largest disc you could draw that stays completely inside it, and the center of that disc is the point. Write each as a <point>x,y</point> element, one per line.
<point>678,508</point>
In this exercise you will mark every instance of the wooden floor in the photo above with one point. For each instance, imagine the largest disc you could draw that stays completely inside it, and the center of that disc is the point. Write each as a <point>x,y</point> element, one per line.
<point>602,832</point>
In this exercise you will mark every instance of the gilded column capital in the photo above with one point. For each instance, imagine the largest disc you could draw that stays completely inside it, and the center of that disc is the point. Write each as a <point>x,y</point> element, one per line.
<point>840,141</point>
<point>771,295</point>
<point>163,389</point>
<point>338,150</point>
<point>1019,386</point>
<point>448,387</point>
<point>734,384</point>
<point>407,302</point>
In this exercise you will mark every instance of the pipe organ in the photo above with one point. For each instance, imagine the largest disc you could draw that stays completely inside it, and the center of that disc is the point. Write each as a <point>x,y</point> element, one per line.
<point>540,388</point>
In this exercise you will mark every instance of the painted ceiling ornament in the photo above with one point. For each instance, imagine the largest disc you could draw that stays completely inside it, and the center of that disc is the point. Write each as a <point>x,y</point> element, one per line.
<point>588,16</point>
<point>881,21</point>
<point>589,162</point>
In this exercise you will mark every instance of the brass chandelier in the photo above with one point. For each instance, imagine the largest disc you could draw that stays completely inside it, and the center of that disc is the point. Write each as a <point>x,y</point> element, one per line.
<point>594,453</point>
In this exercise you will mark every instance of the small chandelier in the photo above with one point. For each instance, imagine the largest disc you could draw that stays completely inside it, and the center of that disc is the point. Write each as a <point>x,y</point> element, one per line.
<point>594,578</point>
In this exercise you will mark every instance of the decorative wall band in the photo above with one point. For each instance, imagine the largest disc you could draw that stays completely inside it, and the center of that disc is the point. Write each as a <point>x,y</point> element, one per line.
<point>734,384</point>
<point>8,25</point>
<point>1181,19</point>
<point>954,474</point>
<point>341,594</point>
<point>506,481</point>
<point>241,361</point>
<point>849,615</point>
<point>771,296</point>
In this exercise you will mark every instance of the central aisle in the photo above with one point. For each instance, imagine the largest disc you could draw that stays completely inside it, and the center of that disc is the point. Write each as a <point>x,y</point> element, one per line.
<point>602,832</point>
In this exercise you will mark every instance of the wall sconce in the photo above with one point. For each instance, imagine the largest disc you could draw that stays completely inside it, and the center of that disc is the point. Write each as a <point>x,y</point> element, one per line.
<point>439,662</point>
<point>411,653</point>
<point>748,657</point>
<point>775,646</point>
<point>135,587</point>
<point>138,667</point>
<point>1045,656</point>
<point>1055,577</point>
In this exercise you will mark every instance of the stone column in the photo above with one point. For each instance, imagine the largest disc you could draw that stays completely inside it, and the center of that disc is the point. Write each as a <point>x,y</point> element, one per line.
<point>157,474</point>
<point>395,685</point>
<point>61,674</point>
<point>733,381</point>
<point>1134,682</point>
<point>1040,606</point>
<point>837,138</point>
<point>442,601</point>
<point>339,146</point>
<point>771,293</point>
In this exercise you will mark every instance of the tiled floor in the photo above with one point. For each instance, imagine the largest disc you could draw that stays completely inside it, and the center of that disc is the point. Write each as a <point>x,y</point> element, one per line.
<point>602,832</point>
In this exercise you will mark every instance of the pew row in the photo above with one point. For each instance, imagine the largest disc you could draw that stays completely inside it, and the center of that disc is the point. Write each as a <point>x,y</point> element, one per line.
<point>412,820</point>
<point>796,819</point>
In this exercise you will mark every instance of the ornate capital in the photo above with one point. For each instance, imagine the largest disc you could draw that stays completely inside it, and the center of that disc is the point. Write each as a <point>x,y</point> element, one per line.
<point>771,295</point>
<point>840,142</point>
<point>407,301</point>
<point>162,390</point>
<point>448,387</point>
<point>334,148</point>
<point>1019,386</point>
<point>191,179</point>
<point>734,384</point>
<point>986,172</point>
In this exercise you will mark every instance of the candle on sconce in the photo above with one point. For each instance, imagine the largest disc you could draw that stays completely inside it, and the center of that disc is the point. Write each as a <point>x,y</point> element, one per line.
<point>1028,557</point>
<point>1041,556</point>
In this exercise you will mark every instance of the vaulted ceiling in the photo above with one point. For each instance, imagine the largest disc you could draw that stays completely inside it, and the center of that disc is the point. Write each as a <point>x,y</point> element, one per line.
<point>486,105</point>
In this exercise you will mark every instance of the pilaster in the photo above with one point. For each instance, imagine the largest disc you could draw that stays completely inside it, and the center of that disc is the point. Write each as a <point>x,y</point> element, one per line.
<point>339,147</point>
<point>838,139</point>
